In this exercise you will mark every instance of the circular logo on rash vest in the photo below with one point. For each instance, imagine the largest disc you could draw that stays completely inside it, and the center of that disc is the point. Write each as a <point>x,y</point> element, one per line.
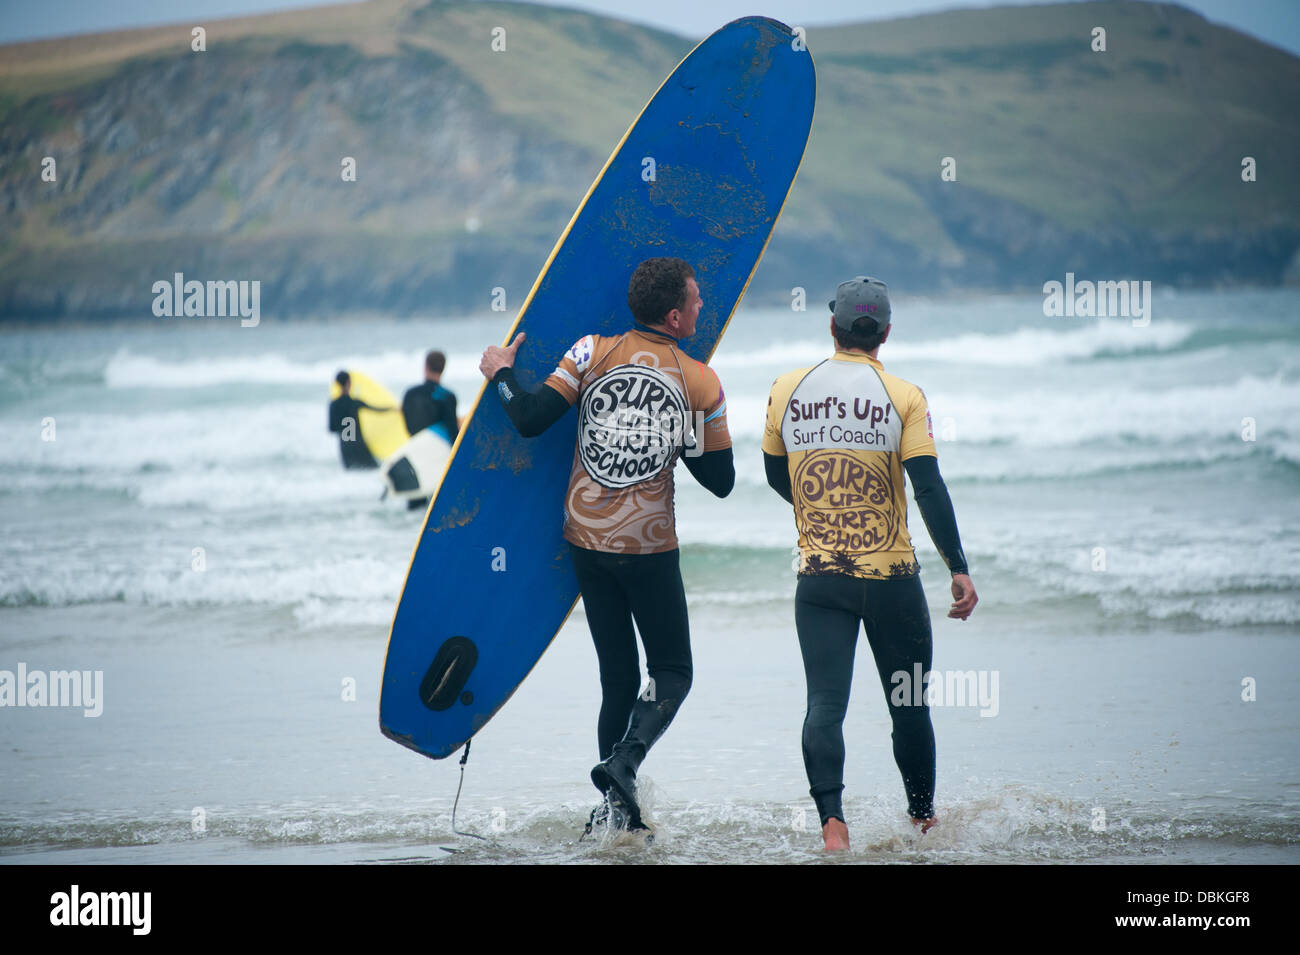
<point>631,422</point>
<point>847,502</point>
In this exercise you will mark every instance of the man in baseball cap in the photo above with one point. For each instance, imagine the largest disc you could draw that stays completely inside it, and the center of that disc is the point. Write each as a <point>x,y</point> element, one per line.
<point>836,443</point>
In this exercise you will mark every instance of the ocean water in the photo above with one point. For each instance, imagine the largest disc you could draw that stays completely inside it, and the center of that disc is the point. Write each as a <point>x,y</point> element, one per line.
<point>1127,499</point>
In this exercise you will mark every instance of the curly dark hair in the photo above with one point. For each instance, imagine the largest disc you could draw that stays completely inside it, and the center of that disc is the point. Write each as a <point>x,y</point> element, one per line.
<point>658,286</point>
<point>863,335</point>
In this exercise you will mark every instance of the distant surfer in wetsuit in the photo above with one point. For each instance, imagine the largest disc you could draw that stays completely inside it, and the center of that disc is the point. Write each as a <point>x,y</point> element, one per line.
<point>430,405</point>
<point>344,422</point>
<point>638,397</point>
<point>837,439</point>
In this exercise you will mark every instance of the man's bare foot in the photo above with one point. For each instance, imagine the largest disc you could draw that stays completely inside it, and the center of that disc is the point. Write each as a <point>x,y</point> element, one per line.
<point>836,835</point>
<point>925,824</point>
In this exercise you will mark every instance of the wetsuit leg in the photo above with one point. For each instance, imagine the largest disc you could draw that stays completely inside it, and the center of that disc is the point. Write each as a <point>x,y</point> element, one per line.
<point>897,621</point>
<point>617,588</point>
<point>827,614</point>
<point>609,617</point>
<point>356,454</point>
<point>653,583</point>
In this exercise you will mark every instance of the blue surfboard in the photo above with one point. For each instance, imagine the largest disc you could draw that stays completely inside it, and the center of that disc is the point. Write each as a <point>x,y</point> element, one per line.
<point>701,174</point>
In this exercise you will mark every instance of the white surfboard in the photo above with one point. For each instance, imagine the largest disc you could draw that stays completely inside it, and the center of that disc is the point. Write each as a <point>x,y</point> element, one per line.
<point>415,469</point>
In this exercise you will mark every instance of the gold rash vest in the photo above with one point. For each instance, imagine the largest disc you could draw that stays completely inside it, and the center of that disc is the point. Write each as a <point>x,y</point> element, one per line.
<point>845,427</point>
<point>637,395</point>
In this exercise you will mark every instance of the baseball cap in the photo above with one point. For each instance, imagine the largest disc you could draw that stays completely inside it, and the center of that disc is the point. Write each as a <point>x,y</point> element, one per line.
<point>861,297</point>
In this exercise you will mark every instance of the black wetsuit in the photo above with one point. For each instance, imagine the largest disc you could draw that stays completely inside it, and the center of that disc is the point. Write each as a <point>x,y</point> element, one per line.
<point>354,451</point>
<point>829,609</point>
<point>616,589</point>
<point>430,405</point>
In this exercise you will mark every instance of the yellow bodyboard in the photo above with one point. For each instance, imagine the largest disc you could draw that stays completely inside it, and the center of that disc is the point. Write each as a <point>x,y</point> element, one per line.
<point>382,431</point>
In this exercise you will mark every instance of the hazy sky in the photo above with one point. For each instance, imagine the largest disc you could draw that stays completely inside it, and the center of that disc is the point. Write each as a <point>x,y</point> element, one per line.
<point>1277,21</point>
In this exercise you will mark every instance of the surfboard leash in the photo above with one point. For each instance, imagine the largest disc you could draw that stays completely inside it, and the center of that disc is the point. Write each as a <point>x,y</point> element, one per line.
<point>591,822</point>
<point>463,760</point>
<point>599,817</point>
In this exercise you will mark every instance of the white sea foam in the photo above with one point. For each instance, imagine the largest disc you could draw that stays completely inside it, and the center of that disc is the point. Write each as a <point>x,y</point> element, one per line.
<point>1021,347</point>
<point>1026,346</point>
<point>347,589</point>
<point>396,370</point>
<point>1042,417</point>
<point>1213,573</point>
<point>979,821</point>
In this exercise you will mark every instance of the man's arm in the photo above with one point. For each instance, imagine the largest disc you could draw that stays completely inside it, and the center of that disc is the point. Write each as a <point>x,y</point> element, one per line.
<point>932,498</point>
<point>716,470</point>
<point>531,412</point>
<point>778,475</point>
<point>414,413</point>
<point>709,457</point>
<point>936,509</point>
<point>775,461</point>
<point>408,411</point>
<point>449,414</point>
<point>339,413</point>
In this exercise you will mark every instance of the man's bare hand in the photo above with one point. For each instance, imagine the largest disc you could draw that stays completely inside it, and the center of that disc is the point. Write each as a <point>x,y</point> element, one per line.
<point>964,598</point>
<point>496,357</point>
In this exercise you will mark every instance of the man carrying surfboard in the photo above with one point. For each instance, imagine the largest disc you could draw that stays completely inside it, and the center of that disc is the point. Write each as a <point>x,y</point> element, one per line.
<point>343,422</point>
<point>430,405</point>
<point>837,439</point>
<point>637,395</point>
